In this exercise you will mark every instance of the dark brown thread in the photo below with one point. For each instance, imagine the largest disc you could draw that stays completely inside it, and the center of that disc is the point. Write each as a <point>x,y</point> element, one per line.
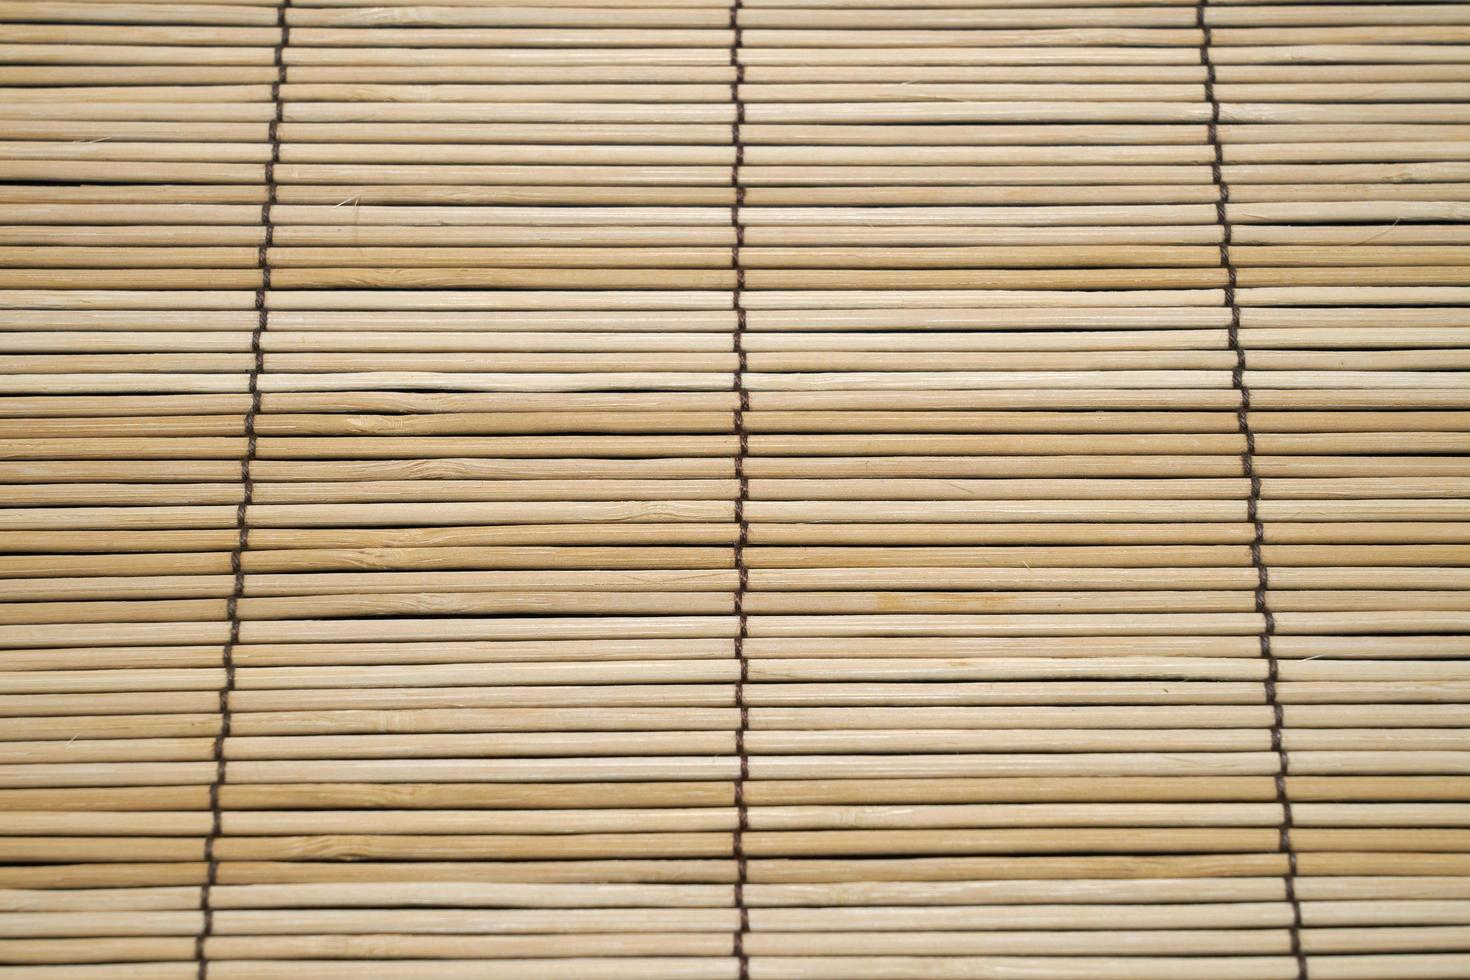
<point>247,496</point>
<point>1247,463</point>
<point>742,820</point>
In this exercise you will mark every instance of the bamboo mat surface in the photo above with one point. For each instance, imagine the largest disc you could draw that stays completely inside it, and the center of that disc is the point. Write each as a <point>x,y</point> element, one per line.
<point>771,490</point>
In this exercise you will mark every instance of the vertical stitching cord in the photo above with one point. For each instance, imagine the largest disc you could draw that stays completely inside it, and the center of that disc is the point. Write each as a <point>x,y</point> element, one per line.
<point>1247,462</point>
<point>742,823</point>
<point>247,494</point>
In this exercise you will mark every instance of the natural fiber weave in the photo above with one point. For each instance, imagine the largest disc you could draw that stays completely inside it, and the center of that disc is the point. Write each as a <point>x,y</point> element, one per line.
<point>810,489</point>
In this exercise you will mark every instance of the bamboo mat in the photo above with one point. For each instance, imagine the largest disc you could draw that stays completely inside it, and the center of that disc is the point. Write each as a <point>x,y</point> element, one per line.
<point>794,489</point>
